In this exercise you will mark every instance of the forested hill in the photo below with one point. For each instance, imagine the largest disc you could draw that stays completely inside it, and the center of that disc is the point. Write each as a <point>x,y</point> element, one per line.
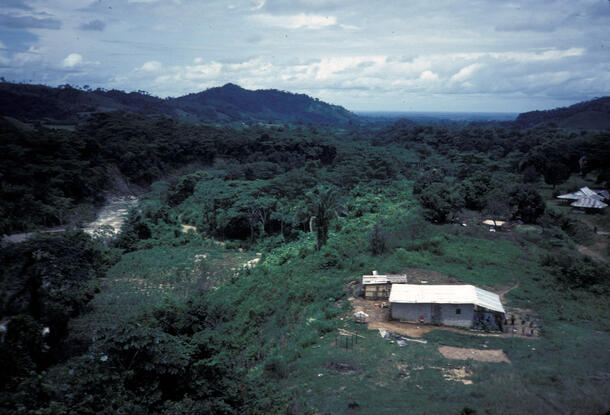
<point>68,104</point>
<point>233,103</point>
<point>229,103</point>
<point>589,115</point>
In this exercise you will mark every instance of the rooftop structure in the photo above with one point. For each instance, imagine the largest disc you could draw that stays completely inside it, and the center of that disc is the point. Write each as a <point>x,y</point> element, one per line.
<point>446,294</point>
<point>587,198</point>
<point>384,279</point>
<point>589,203</point>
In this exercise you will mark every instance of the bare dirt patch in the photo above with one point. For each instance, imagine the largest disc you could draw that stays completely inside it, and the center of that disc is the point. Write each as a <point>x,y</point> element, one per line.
<point>456,374</point>
<point>427,276</point>
<point>187,228</point>
<point>459,353</point>
<point>373,308</point>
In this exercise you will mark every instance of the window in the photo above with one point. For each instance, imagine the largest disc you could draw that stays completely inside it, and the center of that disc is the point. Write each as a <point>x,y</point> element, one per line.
<point>458,311</point>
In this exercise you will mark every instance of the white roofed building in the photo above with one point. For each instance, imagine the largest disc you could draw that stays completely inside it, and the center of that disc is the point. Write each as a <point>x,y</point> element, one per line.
<point>449,305</point>
<point>586,198</point>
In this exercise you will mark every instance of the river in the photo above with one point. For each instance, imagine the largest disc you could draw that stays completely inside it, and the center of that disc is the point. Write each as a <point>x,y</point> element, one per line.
<point>113,213</point>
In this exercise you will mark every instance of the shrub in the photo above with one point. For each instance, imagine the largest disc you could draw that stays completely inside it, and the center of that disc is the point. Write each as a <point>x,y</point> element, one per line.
<point>377,240</point>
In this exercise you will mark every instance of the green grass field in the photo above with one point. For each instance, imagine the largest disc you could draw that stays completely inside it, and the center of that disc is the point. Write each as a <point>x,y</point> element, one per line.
<point>145,278</point>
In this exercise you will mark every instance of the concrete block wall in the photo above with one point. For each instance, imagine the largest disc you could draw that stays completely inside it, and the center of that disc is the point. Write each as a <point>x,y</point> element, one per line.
<point>448,315</point>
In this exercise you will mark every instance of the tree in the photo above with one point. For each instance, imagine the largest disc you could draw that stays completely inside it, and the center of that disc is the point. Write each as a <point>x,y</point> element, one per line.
<point>496,208</point>
<point>426,179</point>
<point>437,202</point>
<point>556,173</point>
<point>527,203</point>
<point>530,175</point>
<point>377,239</point>
<point>475,188</point>
<point>323,206</point>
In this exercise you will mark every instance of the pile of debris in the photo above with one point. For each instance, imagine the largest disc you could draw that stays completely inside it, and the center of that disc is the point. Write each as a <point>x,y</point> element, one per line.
<point>400,340</point>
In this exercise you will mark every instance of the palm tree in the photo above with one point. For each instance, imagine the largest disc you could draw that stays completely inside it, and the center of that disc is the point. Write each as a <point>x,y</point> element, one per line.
<point>324,207</point>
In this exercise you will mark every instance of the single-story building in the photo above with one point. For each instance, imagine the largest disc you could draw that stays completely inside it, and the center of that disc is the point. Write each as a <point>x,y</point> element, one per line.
<point>587,199</point>
<point>377,287</point>
<point>449,305</point>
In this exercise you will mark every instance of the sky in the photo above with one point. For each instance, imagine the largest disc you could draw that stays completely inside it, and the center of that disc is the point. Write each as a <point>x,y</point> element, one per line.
<point>408,55</point>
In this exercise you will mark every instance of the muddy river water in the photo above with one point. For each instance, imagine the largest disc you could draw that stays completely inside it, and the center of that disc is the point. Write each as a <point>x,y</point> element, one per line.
<point>113,214</point>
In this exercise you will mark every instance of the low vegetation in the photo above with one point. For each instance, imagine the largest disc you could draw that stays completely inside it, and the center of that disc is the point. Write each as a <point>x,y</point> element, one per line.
<point>239,310</point>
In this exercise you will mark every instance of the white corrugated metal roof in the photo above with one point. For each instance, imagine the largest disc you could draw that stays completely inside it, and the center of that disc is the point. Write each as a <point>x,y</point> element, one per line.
<point>589,202</point>
<point>384,279</point>
<point>572,196</point>
<point>583,193</point>
<point>587,192</point>
<point>445,294</point>
<point>604,194</point>
<point>491,222</point>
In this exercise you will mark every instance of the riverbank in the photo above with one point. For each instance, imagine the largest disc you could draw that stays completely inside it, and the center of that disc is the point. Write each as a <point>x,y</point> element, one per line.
<point>110,218</point>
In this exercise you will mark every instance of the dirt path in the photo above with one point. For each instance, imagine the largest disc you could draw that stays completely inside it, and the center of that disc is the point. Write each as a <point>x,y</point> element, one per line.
<point>505,291</point>
<point>591,253</point>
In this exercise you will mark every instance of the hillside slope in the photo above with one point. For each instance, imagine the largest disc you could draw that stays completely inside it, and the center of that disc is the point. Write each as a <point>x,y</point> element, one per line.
<point>233,103</point>
<point>587,115</point>
<point>229,103</point>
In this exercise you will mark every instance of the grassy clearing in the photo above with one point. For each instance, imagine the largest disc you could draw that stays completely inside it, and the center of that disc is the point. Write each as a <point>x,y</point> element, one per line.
<point>546,376</point>
<point>564,371</point>
<point>145,278</point>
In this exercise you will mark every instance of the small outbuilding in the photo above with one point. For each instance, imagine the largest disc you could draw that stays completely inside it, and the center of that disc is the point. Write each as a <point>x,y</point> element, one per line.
<point>449,305</point>
<point>377,287</point>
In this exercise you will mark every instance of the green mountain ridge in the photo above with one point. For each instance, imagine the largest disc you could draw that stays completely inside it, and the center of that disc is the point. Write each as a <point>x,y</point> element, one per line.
<point>229,103</point>
<point>586,115</point>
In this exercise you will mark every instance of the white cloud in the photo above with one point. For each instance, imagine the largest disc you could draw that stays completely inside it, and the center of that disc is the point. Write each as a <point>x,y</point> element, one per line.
<point>258,5</point>
<point>465,73</point>
<point>31,57</point>
<point>72,60</point>
<point>380,75</point>
<point>428,76</point>
<point>367,53</point>
<point>296,21</point>
<point>547,55</point>
<point>151,66</point>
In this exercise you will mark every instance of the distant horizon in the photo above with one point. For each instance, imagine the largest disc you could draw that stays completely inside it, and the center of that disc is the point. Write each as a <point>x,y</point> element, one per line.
<point>356,111</point>
<point>434,112</point>
<point>516,56</point>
